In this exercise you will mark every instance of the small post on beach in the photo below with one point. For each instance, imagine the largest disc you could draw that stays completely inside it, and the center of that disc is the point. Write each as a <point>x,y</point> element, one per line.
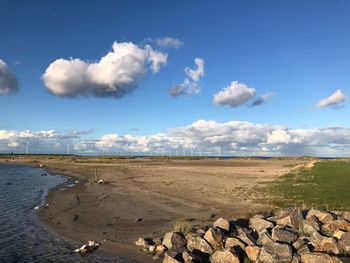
<point>95,174</point>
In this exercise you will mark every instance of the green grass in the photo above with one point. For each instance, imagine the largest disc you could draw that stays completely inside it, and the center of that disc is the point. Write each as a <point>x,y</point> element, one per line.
<point>326,186</point>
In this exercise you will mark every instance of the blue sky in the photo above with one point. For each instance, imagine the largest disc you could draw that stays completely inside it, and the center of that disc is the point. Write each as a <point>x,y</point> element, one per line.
<point>298,50</point>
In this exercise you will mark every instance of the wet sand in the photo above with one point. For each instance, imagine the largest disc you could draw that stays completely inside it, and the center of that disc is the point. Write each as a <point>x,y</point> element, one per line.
<point>156,191</point>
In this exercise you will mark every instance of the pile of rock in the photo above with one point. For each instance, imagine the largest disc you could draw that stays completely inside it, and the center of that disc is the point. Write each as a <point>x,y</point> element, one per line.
<point>291,235</point>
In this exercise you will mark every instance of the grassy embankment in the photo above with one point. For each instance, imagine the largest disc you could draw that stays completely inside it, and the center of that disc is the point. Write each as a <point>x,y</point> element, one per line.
<point>326,186</point>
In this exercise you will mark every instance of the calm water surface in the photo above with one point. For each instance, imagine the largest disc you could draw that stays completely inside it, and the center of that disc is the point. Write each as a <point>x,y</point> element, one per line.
<point>22,237</point>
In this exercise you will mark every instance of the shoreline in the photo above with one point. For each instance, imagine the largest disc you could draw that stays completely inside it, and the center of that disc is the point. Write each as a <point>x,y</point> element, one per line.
<point>108,213</point>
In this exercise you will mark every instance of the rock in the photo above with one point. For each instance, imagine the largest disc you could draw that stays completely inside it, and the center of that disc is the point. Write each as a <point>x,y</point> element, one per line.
<point>90,247</point>
<point>152,249</point>
<point>314,257</point>
<point>157,241</point>
<point>290,217</point>
<point>160,249</point>
<point>337,260</point>
<point>174,240</point>
<point>329,245</point>
<point>260,225</point>
<point>139,219</point>
<point>344,242</point>
<point>303,249</point>
<point>198,256</point>
<point>235,244</point>
<point>214,237</point>
<point>283,235</point>
<point>245,236</point>
<point>143,242</point>
<point>224,256</point>
<point>338,234</point>
<point>308,227</point>
<point>222,224</point>
<point>200,244</point>
<point>316,238</point>
<point>100,181</point>
<point>296,259</point>
<point>322,216</point>
<point>345,215</point>
<point>343,225</point>
<point>299,242</point>
<point>329,228</point>
<point>187,257</point>
<point>275,252</point>
<point>252,252</point>
<point>169,259</point>
<point>264,238</point>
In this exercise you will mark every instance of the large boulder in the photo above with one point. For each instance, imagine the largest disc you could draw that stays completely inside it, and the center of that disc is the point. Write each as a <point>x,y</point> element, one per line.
<point>322,216</point>
<point>316,257</point>
<point>290,217</point>
<point>329,245</point>
<point>174,240</point>
<point>345,215</point>
<point>283,235</point>
<point>222,224</point>
<point>308,227</point>
<point>235,244</point>
<point>245,235</point>
<point>215,238</point>
<point>344,242</point>
<point>260,225</point>
<point>199,243</point>
<point>264,238</point>
<point>275,253</point>
<point>224,256</point>
<point>252,252</point>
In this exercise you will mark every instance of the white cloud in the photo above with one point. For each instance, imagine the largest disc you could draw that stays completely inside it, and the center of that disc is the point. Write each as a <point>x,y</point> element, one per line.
<point>114,75</point>
<point>336,99</point>
<point>234,95</point>
<point>262,99</point>
<point>237,138</point>
<point>233,138</point>
<point>166,42</point>
<point>190,85</point>
<point>46,141</point>
<point>8,81</point>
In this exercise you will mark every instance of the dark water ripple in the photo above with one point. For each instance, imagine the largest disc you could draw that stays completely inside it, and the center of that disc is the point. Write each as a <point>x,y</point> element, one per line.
<point>22,237</point>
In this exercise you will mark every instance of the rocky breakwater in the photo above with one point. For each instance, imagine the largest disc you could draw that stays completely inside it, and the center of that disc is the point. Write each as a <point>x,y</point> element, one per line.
<point>291,235</point>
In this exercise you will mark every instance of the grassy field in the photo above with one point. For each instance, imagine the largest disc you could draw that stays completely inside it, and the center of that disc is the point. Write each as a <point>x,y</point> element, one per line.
<point>326,185</point>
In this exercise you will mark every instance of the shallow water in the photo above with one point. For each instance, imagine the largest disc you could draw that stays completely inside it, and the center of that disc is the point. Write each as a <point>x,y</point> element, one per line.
<point>22,237</point>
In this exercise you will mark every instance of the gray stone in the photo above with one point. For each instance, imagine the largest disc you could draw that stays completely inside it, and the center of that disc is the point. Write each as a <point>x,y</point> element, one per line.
<point>200,244</point>
<point>260,225</point>
<point>275,253</point>
<point>224,256</point>
<point>174,239</point>
<point>329,245</point>
<point>222,224</point>
<point>283,235</point>
<point>169,259</point>
<point>215,238</point>
<point>290,217</point>
<point>303,249</point>
<point>299,242</point>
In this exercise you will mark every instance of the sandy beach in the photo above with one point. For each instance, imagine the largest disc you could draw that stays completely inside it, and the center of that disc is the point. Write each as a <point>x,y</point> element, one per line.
<point>145,196</point>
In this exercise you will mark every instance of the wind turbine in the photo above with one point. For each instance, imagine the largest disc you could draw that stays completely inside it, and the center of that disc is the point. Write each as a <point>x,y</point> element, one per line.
<point>27,147</point>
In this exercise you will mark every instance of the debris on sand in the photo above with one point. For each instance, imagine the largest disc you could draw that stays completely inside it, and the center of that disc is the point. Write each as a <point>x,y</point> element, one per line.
<point>291,235</point>
<point>90,247</point>
<point>101,181</point>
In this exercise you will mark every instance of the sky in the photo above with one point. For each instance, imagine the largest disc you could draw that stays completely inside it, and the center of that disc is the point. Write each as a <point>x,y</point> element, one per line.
<point>266,78</point>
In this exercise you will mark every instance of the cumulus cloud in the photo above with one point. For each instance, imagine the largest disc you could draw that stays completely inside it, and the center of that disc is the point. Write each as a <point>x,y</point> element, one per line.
<point>262,99</point>
<point>334,100</point>
<point>46,141</point>
<point>233,138</point>
<point>190,85</point>
<point>114,75</point>
<point>234,95</point>
<point>166,42</point>
<point>8,81</point>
